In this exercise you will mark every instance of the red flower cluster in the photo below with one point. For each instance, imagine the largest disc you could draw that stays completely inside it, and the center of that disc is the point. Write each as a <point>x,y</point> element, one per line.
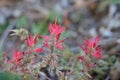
<point>55,31</point>
<point>31,42</point>
<point>92,46</point>
<point>17,57</point>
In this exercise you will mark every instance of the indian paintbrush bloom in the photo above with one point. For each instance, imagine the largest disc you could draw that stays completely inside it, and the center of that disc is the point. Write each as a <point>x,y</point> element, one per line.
<point>59,44</point>
<point>46,40</point>
<point>55,29</point>
<point>17,56</point>
<point>92,43</point>
<point>92,46</point>
<point>53,39</point>
<point>31,42</point>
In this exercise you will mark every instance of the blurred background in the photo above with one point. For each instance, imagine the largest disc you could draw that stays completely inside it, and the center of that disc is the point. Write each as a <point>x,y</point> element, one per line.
<point>81,18</point>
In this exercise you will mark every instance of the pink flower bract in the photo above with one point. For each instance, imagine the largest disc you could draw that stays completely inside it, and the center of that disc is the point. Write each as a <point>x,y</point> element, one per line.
<point>38,50</point>
<point>55,29</point>
<point>59,44</point>
<point>92,46</point>
<point>17,56</point>
<point>31,41</point>
<point>92,43</point>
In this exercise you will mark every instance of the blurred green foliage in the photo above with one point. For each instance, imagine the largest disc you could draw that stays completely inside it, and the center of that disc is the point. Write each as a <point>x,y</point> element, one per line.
<point>8,76</point>
<point>111,60</point>
<point>3,27</point>
<point>114,1</point>
<point>1,54</point>
<point>103,67</point>
<point>21,22</point>
<point>54,14</point>
<point>41,27</point>
<point>65,34</point>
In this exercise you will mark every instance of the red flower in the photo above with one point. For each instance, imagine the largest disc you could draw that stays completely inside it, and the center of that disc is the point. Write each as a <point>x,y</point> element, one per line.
<point>58,36</point>
<point>81,58</point>
<point>17,56</point>
<point>38,50</point>
<point>31,41</point>
<point>96,41</point>
<point>55,29</point>
<point>92,43</point>
<point>97,53</point>
<point>84,48</point>
<point>92,46</point>
<point>53,40</point>
<point>59,44</point>
<point>46,40</point>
